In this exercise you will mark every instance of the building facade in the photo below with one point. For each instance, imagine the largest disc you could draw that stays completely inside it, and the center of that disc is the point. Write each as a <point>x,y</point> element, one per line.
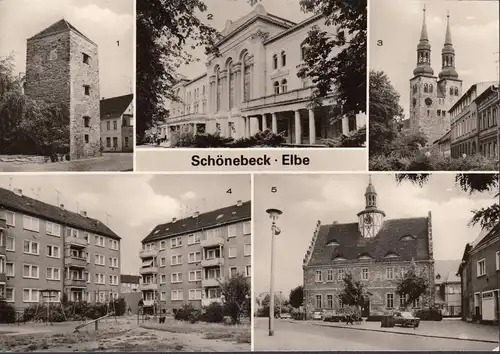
<point>479,273</point>
<point>47,251</point>
<point>129,283</point>
<point>447,287</point>
<point>431,96</point>
<point>184,261</point>
<point>488,105</point>
<point>375,251</point>
<point>117,124</point>
<point>253,85</point>
<point>62,66</point>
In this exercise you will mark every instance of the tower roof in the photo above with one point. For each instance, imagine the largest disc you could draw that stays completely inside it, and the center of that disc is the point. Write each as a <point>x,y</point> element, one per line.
<point>424,38</point>
<point>448,52</point>
<point>424,47</point>
<point>370,189</point>
<point>58,27</point>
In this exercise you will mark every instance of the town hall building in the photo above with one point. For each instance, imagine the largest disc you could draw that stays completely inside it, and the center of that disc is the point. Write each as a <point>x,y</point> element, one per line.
<point>253,86</point>
<point>376,251</point>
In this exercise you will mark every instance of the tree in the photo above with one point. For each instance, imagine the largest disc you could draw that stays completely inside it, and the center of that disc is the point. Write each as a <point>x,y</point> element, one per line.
<point>385,112</point>
<point>470,183</point>
<point>296,297</point>
<point>353,292</point>
<point>344,72</point>
<point>166,30</point>
<point>235,294</point>
<point>412,285</point>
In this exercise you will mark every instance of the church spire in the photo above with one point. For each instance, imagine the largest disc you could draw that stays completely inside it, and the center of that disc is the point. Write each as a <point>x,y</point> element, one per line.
<point>423,52</point>
<point>370,194</point>
<point>448,55</point>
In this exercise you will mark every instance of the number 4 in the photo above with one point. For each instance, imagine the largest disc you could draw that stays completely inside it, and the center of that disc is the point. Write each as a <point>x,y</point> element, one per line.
<point>229,191</point>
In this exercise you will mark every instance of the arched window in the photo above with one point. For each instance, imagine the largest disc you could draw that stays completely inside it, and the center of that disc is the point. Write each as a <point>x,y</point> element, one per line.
<point>303,52</point>
<point>283,58</point>
<point>86,121</point>
<point>426,88</point>
<point>275,61</point>
<point>203,90</point>
<point>230,81</point>
<point>451,91</point>
<point>276,87</point>
<point>218,83</point>
<point>246,78</point>
<point>283,86</point>
<point>415,88</point>
<point>431,87</point>
<point>456,91</point>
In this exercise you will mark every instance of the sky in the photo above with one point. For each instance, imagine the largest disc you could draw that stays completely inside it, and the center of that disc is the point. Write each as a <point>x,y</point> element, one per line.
<point>104,21</point>
<point>224,10</point>
<point>398,23</point>
<point>135,203</point>
<point>305,199</point>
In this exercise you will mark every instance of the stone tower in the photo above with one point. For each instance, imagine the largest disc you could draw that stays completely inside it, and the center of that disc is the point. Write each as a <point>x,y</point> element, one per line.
<point>431,98</point>
<point>62,67</point>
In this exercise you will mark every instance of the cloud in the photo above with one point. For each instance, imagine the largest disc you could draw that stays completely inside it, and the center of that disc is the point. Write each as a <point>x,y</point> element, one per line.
<point>188,195</point>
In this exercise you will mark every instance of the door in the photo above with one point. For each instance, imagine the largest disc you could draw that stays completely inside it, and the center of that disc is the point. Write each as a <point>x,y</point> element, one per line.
<point>365,309</point>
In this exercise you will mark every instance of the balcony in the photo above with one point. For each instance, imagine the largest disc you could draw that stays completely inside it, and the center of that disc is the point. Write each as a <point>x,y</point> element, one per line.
<point>75,241</point>
<point>3,278</point>
<point>214,262</point>
<point>75,283</point>
<point>149,286</point>
<point>149,303</point>
<point>148,253</point>
<point>302,94</point>
<point>149,270</point>
<point>212,242</point>
<point>2,250</point>
<point>75,262</point>
<point>211,282</point>
<point>206,301</point>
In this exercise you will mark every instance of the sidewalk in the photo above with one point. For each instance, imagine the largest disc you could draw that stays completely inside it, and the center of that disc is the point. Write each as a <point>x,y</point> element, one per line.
<point>445,329</point>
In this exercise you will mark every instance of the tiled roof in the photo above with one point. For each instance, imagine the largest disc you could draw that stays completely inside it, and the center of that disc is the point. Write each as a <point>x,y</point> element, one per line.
<point>447,271</point>
<point>11,201</point>
<point>226,215</point>
<point>59,26</point>
<point>129,279</point>
<point>115,106</point>
<point>406,238</point>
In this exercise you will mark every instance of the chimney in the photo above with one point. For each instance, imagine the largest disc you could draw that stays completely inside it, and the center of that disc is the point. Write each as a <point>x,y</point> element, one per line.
<point>61,206</point>
<point>83,213</point>
<point>196,214</point>
<point>239,203</point>
<point>18,192</point>
<point>174,219</point>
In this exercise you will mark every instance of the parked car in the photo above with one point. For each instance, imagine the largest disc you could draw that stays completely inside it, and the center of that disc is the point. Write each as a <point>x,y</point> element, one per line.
<point>317,315</point>
<point>406,319</point>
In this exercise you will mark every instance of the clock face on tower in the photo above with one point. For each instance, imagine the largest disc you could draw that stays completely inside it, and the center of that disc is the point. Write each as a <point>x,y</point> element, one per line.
<point>368,219</point>
<point>428,101</point>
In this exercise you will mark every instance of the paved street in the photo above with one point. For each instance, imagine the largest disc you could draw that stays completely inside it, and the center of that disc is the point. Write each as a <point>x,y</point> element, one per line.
<point>108,162</point>
<point>298,335</point>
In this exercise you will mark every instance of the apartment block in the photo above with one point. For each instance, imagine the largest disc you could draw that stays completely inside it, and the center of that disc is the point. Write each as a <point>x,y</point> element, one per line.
<point>184,261</point>
<point>47,251</point>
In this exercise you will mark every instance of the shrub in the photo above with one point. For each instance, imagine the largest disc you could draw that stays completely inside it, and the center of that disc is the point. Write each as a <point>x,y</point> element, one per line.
<point>194,316</point>
<point>355,138</point>
<point>43,314</point>
<point>376,318</point>
<point>7,312</point>
<point>214,313</point>
<point>96,310</point>
<point>184,139</point>
<point>266,138</point>
<point>207,140</point>
<point>184,313</point>
<point>429,314</point>
<point>299,316</point>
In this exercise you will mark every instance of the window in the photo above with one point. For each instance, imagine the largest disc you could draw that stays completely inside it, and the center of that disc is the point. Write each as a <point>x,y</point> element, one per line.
<point>329,275</point>
<point>53,251</point>
<point>10,294</point>
<point>162,245</point>
<point>283,86</point>
<point>113,280</point>
<point>247,249</point>
<point>11,244</point>
<point>86,276</point>
<point>498,261</point>
<point>390,301</point>
<point>11,218</point>
<point>52,229</point>
<point>108,126</point>
<point>194,294</point>
<point>303,51</point>
<point>194,239</point>
<point>247,228</point>
<point>30,295</point>
<point>115,142</point>
<point>163,279</point>
<point>125,143</point>
<point>231,231</point>
<point>275,61</point>
<point>176,278</point>
<point>195,275</point>
<point>319,275</point>
<point>86,89</point>
<point>163,262</point>
<point>99,278</point>
<point>318,301</point>
<point>99,241</point>
<point>340,274</point>
<point>283,58</point>
<point>30,271</point>
<point>108,142</point>
<point>86,138</point>
<point>481,267</point>
<point>113,262</point>
<point>176,242</point>
<point>232,252</point>
<point>364,274</point>
<point>113,244</point>
<point>9,269</point>
<point>248,270</point>
<point>329,301</point>
<point>86,59</point>
<point>176,259</point>
<point>31,247</point>
<point>416,303</point>
<point>53,273</point>
<point>31,223</point>
<point>389,273</point>
<point>194,257</point>
<point>86,121</point>
<point>115,125</point>
<point>99,259</point>
<point>276,88</point>
<point>177,295</point>
<point>233,271</point>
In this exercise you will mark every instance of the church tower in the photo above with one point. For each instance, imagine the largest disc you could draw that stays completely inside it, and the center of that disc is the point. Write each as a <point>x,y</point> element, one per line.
<point>371,219</point>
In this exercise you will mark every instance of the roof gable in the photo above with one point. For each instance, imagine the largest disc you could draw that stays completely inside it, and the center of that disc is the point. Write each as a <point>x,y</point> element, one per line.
<point>58,27</point>
<point>388,242</point>
<point>115,106</point>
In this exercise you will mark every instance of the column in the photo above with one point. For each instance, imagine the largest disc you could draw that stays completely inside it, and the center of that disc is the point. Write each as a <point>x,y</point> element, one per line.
<point>264,122</point>
<point>247,129</point>
<point>298,130</point>
<point>195,128</point>
<point>228,80</point>
<point>242,81</point>
<point>345,125</point>
<point>312,128</point>
<point>254,125</point>
<point>274,123</point>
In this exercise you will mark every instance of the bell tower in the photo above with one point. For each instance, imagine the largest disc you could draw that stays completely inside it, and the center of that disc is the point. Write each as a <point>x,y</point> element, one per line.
<point>371,219</point>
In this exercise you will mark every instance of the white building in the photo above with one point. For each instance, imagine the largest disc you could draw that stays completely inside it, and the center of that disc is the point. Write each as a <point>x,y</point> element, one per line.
<point>253,85</point>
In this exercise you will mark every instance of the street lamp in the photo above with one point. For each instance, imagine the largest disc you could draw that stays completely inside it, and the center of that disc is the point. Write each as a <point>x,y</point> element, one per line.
<point>274,215</point>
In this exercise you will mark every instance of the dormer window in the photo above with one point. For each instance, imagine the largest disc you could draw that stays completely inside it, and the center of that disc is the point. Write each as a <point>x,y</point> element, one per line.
<point>391,255</point>
<point>365,256</point>
<point>338,258</point>
<point>332,243</point>
<point>407,238</point>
